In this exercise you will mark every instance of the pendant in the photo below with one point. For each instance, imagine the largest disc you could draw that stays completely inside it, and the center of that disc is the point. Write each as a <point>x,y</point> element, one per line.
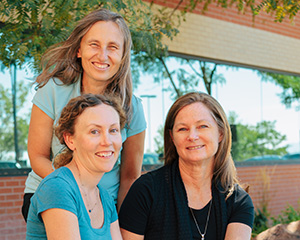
<point>202,236</point>
<point>91,211</point>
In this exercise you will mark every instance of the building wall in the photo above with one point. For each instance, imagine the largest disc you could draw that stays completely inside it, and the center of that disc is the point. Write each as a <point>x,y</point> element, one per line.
<point>278,184</point>
<point>226,36</point>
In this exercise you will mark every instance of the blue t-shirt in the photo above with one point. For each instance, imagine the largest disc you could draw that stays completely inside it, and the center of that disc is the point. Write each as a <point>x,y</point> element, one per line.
<point>51,99</point>
<point>67,196</point>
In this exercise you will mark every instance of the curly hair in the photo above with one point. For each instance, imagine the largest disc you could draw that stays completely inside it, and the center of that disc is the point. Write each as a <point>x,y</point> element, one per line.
<point>71,112</point>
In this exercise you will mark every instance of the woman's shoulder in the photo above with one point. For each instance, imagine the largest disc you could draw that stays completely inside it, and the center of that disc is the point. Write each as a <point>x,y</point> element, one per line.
<point>61,177</point>
<point>238,198</point>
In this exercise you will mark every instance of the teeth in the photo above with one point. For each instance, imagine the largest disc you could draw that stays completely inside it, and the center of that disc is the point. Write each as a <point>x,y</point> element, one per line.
<point>194,148</point>
<point>104,154</point>
<point>102,66</point>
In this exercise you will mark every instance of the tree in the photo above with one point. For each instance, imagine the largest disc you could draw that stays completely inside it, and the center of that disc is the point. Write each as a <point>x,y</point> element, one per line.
<point>290,86</point>
<point>28,28</point>
<point>261,139</point>
<point>6,125</point>
<point>159,140</point>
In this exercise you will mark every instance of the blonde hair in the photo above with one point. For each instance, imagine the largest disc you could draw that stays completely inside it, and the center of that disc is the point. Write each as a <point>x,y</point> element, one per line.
<point>224,170</point>
<point>71,112</point>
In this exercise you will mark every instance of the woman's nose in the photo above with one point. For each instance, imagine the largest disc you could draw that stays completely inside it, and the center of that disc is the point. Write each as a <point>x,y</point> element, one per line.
<point>102,54</point>
<point>105,139</point>
<point>193,136</point>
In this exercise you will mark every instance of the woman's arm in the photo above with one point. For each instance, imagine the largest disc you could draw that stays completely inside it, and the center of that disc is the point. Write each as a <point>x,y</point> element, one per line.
<point>115,231</point>
<point>61,224</point>
<point>130,236</point>
<point>39,142</point>
<point>131,163</point>
<point>238,231</point>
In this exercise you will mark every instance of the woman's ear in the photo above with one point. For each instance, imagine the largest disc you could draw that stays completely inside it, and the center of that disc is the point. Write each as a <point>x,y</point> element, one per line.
<point>79,53</point>
<point>171,135</point>
<point>220,136</point>
<point>68,138</point>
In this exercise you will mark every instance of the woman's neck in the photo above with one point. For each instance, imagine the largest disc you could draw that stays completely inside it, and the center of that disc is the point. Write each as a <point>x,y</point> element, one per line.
<point>92,87</point>
<point>197,181</point>
<point>83,176</point>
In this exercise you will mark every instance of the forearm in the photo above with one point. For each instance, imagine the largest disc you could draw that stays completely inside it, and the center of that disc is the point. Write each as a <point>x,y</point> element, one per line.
<point>125,185</point>
<point>42,166</point>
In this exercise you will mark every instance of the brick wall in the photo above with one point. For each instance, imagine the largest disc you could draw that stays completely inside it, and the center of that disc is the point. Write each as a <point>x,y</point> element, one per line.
<point>12,225</point>
<point>278,183</point>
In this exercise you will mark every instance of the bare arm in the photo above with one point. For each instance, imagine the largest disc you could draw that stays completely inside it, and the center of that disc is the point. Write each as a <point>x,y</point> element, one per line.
<point>61,224</point>
<point>39,142</point>
<point>115,231</point>
<point>238,231</point>
<point>130,236</point>
<point>131,163</point>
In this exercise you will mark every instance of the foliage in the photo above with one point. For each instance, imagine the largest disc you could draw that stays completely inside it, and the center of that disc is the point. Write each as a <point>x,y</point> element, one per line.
<point>260,220</point>
<point>263,221</point>
<point>159,140</point>
<point>288,215</point>
<point>182,79</point>
<point>290,86</point>
<point>28,28</point>
<point>6,123</point>
<point>261,139</point>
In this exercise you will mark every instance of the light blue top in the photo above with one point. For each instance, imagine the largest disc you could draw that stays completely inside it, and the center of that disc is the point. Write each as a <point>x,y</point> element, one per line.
<point>67,196</point>
<point>51,99</point>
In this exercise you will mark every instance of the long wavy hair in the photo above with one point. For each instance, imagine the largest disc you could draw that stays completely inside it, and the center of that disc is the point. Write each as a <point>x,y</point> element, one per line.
<point>224,170</point>
<point>71,112</point>
<point>61,61</point>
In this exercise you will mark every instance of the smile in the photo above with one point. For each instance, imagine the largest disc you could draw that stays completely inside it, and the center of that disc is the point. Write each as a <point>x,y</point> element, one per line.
<point>101,66</point>
<point>195,147</point>
<point>105,154</point>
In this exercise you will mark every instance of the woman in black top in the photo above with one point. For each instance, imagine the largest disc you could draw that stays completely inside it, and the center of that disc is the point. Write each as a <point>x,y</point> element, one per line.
<point>196,195</point>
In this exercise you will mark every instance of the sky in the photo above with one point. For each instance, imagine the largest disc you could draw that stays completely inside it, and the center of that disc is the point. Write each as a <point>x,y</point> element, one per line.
<point>243,93</point>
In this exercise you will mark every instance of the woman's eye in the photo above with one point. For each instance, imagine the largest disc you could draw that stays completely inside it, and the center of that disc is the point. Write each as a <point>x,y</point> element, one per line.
<point>113,47</point>
<point>95,131</point>
<point>181,129</point>
<point>203,126</point>
<point>114,130</point>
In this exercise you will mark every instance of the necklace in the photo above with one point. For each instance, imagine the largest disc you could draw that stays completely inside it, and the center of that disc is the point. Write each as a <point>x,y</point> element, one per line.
<point>85,195</point>
<point>207,220</point>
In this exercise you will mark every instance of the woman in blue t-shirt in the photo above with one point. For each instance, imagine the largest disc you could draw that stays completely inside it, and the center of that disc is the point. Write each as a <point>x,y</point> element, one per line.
<point>94,59</point>
<point>68,203</point>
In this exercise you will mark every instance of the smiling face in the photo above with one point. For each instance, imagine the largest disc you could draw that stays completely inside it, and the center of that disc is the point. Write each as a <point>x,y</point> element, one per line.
<point>97,139</point>
<point>195,134</point>
<point>101,51</point>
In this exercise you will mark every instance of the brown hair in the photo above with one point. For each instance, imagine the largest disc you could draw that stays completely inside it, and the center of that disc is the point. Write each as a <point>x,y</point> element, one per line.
<point>71,112</point>
<point>61,60</point>
<point>224,170</point>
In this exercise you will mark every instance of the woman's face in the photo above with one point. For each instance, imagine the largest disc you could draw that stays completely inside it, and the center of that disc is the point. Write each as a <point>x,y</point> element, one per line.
<point>97,140</point>
<point>101,51</point>
<point>195,134</point>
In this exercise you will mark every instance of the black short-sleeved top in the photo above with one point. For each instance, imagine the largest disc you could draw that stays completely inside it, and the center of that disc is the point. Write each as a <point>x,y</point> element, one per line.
<point>136,210</point>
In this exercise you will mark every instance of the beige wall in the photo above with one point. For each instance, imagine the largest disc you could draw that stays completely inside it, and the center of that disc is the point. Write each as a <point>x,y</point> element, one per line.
<point>223,41</point>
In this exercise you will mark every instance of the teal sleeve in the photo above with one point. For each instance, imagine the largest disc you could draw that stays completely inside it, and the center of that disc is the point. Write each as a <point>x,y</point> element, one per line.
<point>44,99</point>
<point>138,122</point>
<point>55,193</point>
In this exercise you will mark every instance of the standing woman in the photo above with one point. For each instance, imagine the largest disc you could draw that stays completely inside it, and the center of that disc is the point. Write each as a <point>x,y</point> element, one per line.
<point>94,59</point>
<point>196,195</point>
<point>68,204</point>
